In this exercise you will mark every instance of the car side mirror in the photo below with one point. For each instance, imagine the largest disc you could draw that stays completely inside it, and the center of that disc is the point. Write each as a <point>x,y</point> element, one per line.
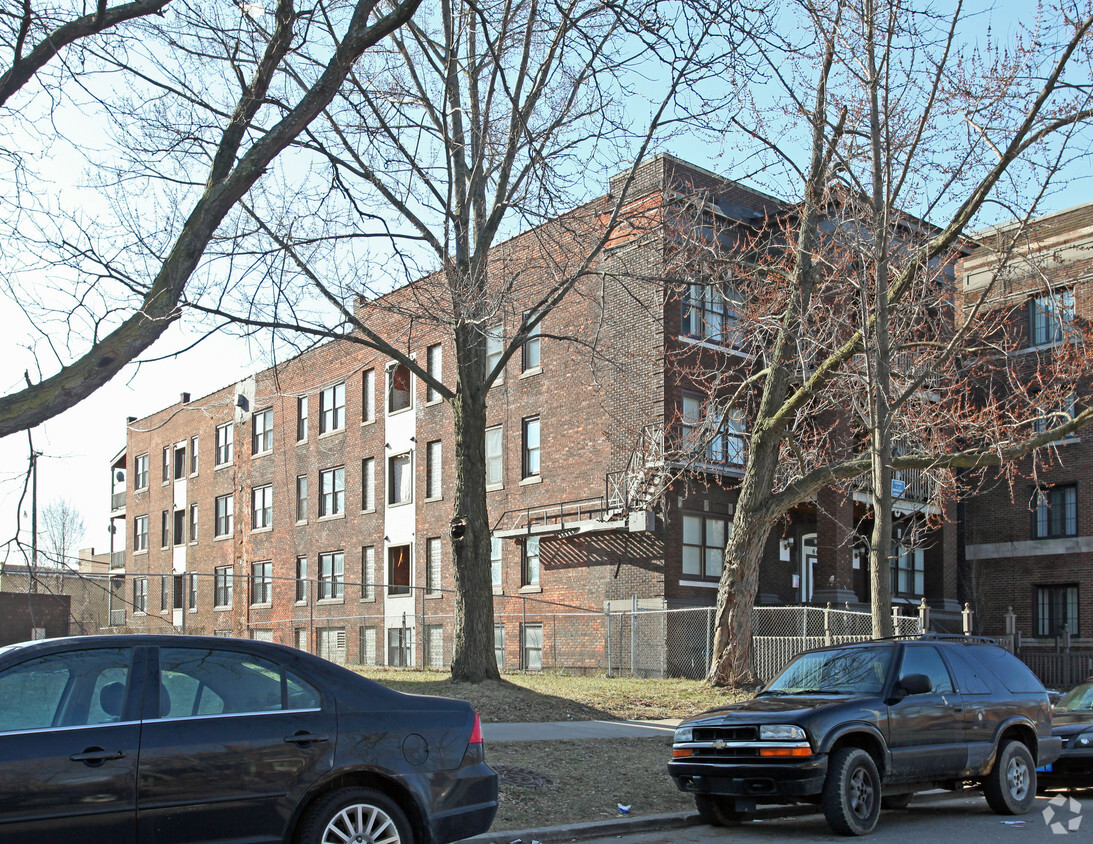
<point>912,684</point>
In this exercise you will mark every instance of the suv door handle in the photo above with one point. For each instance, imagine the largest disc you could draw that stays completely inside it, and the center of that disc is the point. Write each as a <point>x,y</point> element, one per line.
<point>306,738</point>
<point>96,755</point>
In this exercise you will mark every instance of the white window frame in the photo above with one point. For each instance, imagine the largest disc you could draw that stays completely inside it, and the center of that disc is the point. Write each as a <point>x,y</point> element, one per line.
<point>332,409</point>
<point>494,456</point>
<point>225,444</point>
<point>262,507</point>
<point>332,492</point>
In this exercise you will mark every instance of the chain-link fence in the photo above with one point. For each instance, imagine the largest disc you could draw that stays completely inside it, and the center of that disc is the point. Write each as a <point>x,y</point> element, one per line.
<point>401,626</point>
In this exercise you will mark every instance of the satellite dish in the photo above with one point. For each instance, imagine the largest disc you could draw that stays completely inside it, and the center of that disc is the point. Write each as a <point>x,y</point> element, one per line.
<point>119,476</point>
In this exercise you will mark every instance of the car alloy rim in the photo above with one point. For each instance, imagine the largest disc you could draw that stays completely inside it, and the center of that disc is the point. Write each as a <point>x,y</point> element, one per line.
<point>861,793</point>
<point>1017,778</point>
<point>361,823</point>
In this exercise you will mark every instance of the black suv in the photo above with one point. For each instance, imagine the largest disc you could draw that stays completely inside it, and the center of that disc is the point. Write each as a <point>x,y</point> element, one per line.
<point>859,726</point>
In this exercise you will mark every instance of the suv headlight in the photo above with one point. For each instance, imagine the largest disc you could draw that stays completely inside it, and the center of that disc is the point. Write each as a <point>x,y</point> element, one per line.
<point>683,734</point>
<point>781,732</point>
<point>1083,740</point>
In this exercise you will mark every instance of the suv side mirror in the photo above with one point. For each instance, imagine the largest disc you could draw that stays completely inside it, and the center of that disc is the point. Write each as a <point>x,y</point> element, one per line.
<point>912,684</point>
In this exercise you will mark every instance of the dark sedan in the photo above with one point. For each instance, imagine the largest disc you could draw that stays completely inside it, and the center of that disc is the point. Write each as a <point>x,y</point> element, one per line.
<point>1072,721</point>
<point>185,739</point>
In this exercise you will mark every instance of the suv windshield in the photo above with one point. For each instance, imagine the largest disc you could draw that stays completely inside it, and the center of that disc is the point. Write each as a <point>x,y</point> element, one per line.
<point>1078,698</point>
<point>846,671</point>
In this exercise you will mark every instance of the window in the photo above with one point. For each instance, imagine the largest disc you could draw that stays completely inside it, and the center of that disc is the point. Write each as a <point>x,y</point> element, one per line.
<point>432,566</point>
<point>704,539</point>
<point>368,573</point>
<point>193,455</point>
<point>432,470</point>
<point>261,582</point>
<point>166,463</point>
<point>530,357</point>
<point>140,533</point>
<point>908,571</point>
<point>495,562</point>
<point>192,581</point>
<point>140,594</point>
<point>368,646</point>
<point>398,570</point>
<point>368,396</point>
<point>332,409</point>
<point>924,659</point>
<point>193,523</point>
<point>1050,317</point>
<point>180,526</point>
<point>180,461</point>
<point>224,438</point>
<point>225,515</point>
<point>165,529</point>
<point>140,472</point>
<point>300,638</point>
<point>711,312</point>
<point>332,492</point>
<point>223,586</point>
<point>301,498</point>
<point>262,436</point>
<point>530,460</point>
<point>494,347</point>
<point>434,646</point>
<point>262,507</point>
<point>301,419</point>
<point>331,642</point>
<point>400,649</point>
<point>164,593</point>
<point>368,483</point>
<point>499,645</point>
<point>1048,417</point>
<point>531,645</point>
<point>712,434</point>
<point>494,475</point>
<point>400,480</point>
<point>529,565</point>
<point>434,362</point>
<point>301,580</point>
<point>1057,606</point>
<point>1056,512</point>
<point>399,394</point>
<point>331,575</point>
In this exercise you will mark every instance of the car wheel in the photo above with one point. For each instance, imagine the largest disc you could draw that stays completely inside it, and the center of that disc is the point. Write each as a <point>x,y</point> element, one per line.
<point>895,801</point>
<point>851,798</point>
<point>1010,787</point>
<point>716,810</point>
<point>355,814</point>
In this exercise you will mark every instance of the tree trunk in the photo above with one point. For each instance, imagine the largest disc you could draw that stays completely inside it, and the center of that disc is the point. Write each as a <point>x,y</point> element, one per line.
<point>473,660</point>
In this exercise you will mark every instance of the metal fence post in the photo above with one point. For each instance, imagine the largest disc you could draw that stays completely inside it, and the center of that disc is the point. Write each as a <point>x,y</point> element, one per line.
<point>607,627</point>
<point>633,633</point>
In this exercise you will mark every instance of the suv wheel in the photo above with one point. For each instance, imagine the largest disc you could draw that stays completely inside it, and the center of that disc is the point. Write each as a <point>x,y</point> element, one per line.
<point>1010,787</point>
<point>851,798</point>
<point>717,810</point>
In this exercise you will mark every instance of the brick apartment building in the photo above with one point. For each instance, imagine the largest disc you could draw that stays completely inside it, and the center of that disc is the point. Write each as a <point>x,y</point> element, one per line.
<point>311,502</point>
<point>1028,549</point>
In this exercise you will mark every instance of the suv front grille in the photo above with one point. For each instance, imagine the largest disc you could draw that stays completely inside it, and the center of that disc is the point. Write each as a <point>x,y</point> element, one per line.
<point>726,733</point>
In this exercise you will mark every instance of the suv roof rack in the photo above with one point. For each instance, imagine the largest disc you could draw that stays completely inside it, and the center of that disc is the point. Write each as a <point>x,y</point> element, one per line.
<point>945,637</point>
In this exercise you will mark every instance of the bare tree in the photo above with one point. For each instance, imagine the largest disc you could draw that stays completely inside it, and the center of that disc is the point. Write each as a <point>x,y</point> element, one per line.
<point>177,110</point>
<point>63,529</point>
<point>847,290</point>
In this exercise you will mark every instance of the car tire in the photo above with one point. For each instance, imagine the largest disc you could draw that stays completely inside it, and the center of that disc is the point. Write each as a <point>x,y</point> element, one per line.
<point>895,801</point>
<point>717,810</point>
<point>348,812</point>
<point>1010,787</point>
<point>851,796</point>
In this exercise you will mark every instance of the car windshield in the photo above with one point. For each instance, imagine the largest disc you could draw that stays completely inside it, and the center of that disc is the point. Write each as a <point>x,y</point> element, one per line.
<point>837,672</point>
<point>1079,698</point>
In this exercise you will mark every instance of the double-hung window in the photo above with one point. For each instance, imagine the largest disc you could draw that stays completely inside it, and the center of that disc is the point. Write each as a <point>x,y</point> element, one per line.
<point>332,491</point>
<point>332,409</point>
<point>225,514</point>
<point>368,483</point>
<point>368,395</point>
<point>529,568</point>
<point>301,498</point>
<point>398,570</point>
<point>494,476</point>
<point>140,533</point>
<point>224,440</point>
<point>261,586</point>
<point>530,356</point>
<point>434,362</point>
<point>530,461</point>
<point>301,419</point>
<point>400,394</point>
<point>262,436</point>
<point>1056,606</point>
<point>140,472</point>
<point>400,479</point>
<point>1050,317</point>
<point>494,347</point>
<point>432,565</point>
<point>711,312</point>
<point>704,539</point>
<point>432,469</point>
<point>140,594</point>
<point>331,575</point>
<point>223,586</point>
<point>1056,512</point>
<point>262,507</point>
<point>301,580</point>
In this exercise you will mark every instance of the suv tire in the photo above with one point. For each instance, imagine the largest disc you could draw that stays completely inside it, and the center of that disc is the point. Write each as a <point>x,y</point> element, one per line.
<point>851,797</point>
<point>717,810</point>
<point>1010,787</point>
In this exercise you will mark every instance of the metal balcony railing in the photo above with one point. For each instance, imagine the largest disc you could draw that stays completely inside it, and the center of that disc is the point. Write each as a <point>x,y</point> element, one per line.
<point>117,559</point>
<point>117,618</point>
<point>117,501</point>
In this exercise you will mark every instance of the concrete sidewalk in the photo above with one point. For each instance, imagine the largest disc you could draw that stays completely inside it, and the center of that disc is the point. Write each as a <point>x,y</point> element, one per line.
<point>561,730</point>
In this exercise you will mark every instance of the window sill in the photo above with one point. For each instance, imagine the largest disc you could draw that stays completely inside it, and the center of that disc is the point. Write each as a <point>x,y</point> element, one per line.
<point>399,412</point>
<point>530,589</point>
<point>333,517</point>
<point>407,594</point>
<point>366,422</point>
<point>262,529</point>
<point>141,552</point>
<point>498,590</point>
<point>368,600</point>
<point>300,522</point>
<point>494,487</point>
<point>220,466</point>
<point>703,584</point>
<point>141,613</point>
<point>222,607</point>
<point>433,596</point>
<point>330,601</point>
<point>222,537</point>
<point>531,373</point>
<point>141,489</point>
<point>717,347</point>
<point>193,542</point>
<point>262,606</point>
<point>368,512</point>
<point>534,479</point>
<point>434,402</point>
<point>265,453</point>
<point>333,433</point>
<point>432,499</point>
<point>391,504</point>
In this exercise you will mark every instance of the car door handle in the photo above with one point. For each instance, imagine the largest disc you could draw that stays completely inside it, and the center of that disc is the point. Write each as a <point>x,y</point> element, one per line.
<point>306,738</point>
<point>96,755</point>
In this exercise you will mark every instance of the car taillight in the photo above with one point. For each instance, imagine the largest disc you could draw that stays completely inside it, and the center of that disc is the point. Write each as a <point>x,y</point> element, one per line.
<point>476,731</point>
